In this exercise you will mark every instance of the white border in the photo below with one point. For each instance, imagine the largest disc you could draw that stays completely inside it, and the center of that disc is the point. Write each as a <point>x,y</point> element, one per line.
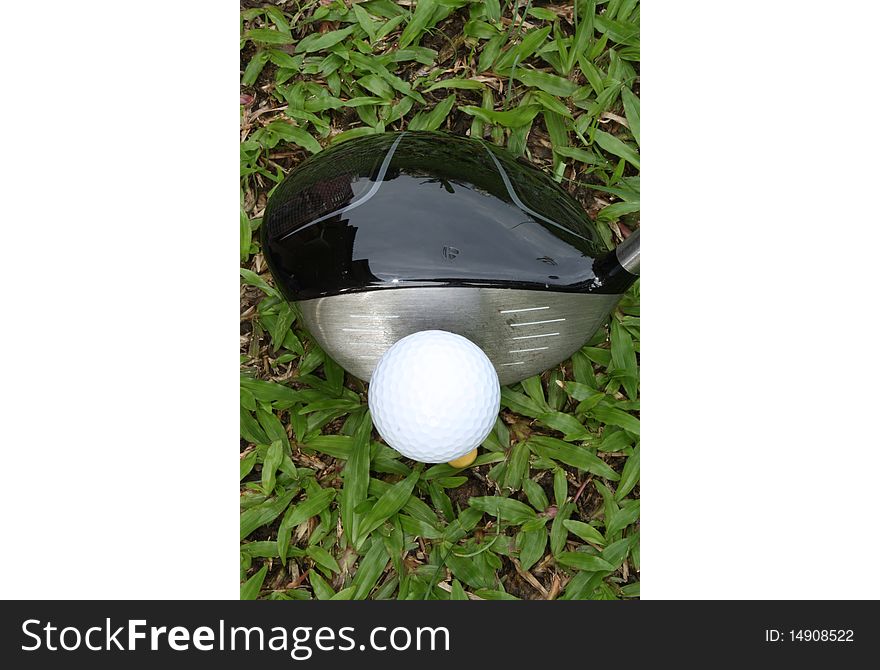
<point>120,332</point>
<point>759,352</point>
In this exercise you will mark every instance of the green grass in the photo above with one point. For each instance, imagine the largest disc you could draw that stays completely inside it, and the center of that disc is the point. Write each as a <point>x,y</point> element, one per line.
<point>550,510</point>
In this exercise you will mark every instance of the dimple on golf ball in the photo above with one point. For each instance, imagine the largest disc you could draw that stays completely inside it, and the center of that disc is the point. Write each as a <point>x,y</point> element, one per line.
<point>434,396</point>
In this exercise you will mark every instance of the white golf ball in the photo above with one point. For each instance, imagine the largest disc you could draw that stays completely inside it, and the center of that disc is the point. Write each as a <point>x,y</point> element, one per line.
<point>434,396</point>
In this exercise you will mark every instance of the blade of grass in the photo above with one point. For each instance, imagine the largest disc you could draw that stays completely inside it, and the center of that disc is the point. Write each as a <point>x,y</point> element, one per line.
<point>390,503</point>
<point>356,477</point>
<point>251,588</point>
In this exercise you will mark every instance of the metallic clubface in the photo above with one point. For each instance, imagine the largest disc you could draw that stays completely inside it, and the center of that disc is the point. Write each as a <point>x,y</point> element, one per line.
<point>522,332</point>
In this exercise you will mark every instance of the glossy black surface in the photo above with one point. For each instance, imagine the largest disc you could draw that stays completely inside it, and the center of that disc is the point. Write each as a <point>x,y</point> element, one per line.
<point>424,209</point>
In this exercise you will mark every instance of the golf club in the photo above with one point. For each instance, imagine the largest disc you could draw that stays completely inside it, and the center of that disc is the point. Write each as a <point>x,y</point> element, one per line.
<point>394,233</point>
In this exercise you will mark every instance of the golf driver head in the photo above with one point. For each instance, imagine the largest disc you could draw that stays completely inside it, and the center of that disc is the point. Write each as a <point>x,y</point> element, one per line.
<point>389,234</point>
